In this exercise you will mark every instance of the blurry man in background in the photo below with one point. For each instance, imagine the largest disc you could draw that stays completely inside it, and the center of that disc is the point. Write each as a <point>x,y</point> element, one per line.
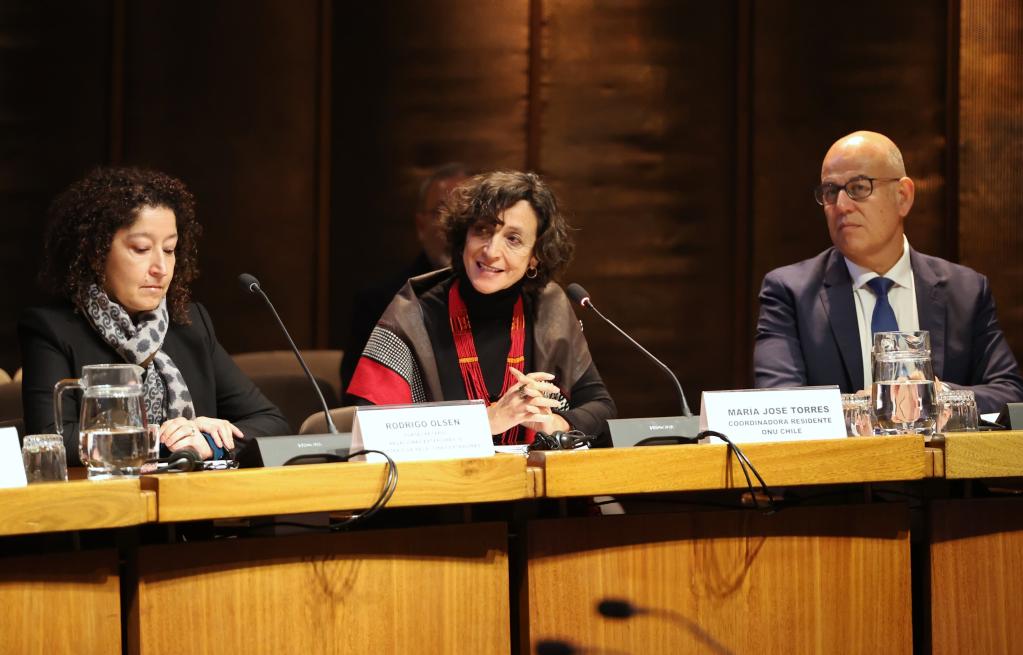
<point>369,303</point>
<point>817,317</point>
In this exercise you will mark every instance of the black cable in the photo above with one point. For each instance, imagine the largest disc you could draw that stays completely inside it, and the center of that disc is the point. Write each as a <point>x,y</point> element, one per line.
<point>743,464</point>
<point>390,484</point>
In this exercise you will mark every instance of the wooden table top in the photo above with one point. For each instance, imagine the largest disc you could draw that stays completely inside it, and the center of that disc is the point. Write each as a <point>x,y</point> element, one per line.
<point>711,466</point>
<point>75,505</point>
<point>983,454</point>
<point>328,487</point>
<point>83,505</point>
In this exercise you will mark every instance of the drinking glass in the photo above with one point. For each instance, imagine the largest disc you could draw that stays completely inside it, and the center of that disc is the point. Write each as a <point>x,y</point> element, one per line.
<point>113,441</point>
<point>958,410</point>
<point>902,394</point>
<point>44,457</point>
<point>858,422</point>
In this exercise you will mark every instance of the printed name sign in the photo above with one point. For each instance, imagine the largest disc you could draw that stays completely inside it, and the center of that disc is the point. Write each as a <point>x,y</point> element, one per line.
<point>794,414</point>
<point>12,467</point>
<point>407,433</point>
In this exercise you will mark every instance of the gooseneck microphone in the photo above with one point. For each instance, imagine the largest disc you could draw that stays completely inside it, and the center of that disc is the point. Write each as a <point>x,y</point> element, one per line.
<point>619,609</point>
<point>578,295</point>
<point>251,284</point>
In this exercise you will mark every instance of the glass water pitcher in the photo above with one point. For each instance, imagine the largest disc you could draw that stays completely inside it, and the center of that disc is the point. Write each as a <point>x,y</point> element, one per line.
<point>903,395</point>
<point>113,437</point>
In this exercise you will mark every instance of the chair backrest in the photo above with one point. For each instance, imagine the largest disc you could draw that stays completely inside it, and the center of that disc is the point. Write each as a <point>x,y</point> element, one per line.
<point>317,424</point>
<point>10,401</point>
<point>293,395</point>
<point>325,364</point>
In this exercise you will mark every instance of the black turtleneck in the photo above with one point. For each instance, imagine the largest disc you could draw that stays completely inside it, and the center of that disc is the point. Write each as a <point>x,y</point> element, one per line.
<point>490,317</point>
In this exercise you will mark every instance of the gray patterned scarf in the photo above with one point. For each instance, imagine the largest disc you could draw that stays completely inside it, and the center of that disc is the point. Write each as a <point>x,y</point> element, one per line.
<point>165,393</point>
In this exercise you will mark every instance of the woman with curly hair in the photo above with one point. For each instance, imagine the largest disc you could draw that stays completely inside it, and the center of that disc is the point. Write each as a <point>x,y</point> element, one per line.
<point>473,330</point>
<point>121,252</point>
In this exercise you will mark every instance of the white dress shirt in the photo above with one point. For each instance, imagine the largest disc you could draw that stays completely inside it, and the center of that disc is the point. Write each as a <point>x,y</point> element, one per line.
<point>902,297</point>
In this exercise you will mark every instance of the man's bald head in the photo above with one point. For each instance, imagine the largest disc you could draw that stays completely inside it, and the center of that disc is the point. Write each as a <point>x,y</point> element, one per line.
<point>870,145</point>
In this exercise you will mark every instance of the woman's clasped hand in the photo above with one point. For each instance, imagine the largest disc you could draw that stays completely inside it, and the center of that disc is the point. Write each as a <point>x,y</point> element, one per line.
<point>529,403</point>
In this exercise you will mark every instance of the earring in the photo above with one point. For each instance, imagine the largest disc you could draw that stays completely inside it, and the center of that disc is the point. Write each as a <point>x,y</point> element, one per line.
<point>531,272</point>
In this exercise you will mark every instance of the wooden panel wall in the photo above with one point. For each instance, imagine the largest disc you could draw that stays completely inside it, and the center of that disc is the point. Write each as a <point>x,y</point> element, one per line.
<point>683,137</point>
<point>225,96</point>
<point>818,76</point>
<point>415,85</point>
<point>636,134</point>
<point>54,70</point>
<point>990,235</point>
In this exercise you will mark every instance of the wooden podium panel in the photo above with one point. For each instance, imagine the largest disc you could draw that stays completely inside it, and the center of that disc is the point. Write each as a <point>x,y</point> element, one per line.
<point>60,603</point>
<point>75,505</point>
<point>419,590</point>
<point>976,576</point>
<point>813,580</point>
<point>711,466</point>
<point>984,454</point>
<point>327,487</point>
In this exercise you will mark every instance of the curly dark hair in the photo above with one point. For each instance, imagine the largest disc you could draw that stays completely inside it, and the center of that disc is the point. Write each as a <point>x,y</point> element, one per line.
<point>83,219</point>
<point>485,197</point>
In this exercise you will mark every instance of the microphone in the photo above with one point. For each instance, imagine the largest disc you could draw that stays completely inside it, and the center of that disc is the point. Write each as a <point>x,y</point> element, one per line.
<point>620,609</point>
<point>616,608</point>
<point>555,647</point>
<point>578,295</point>
<point>251,284</point>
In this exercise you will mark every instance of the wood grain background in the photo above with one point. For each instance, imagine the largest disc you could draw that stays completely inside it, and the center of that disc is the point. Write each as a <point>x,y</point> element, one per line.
<point>683,138</point>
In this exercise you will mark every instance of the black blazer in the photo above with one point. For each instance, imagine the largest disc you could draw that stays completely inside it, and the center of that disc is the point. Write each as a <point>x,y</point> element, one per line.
<point>808,333</point>
<point>57,341</point>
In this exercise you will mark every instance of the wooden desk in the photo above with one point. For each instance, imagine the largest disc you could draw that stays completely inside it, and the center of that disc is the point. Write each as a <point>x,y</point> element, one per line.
<point>976,550</point>
<point>69,601</point>
<point>75,505</point>
<point>983,454</point>
<point>327,487</point>
<point>803,580</point>
<point>702,467</point>
<point>438,589</point>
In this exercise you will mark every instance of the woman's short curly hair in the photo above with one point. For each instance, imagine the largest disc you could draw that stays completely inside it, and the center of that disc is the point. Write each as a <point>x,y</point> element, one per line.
<point>83,220</point>
<point>485,197</point>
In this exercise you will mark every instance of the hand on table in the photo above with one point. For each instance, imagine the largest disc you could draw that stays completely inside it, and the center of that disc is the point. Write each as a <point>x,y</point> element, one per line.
<point>179,433</point>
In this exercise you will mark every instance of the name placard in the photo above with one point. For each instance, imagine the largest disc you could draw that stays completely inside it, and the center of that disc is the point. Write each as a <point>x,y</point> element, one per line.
<point>751,415</point>
<point>12,467</point>
<point>407,433</point>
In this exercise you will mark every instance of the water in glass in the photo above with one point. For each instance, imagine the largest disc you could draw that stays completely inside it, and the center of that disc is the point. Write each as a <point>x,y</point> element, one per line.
<point>902,395</point>
<point>113,436</point>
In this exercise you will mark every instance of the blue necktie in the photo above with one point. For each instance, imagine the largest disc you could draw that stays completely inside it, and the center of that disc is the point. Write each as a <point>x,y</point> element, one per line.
<point>883,319</point>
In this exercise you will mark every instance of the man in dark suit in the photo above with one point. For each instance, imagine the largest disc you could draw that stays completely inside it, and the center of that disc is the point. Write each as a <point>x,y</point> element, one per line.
<point>369,303</point>
<point>817,316</point>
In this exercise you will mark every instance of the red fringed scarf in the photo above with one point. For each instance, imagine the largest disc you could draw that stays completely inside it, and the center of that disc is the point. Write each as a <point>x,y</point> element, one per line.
<point>469,362</point>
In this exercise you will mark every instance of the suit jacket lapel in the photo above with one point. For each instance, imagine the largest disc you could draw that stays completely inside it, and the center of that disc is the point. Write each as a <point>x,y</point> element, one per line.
<point>931,301</point>
<point>837,298</point>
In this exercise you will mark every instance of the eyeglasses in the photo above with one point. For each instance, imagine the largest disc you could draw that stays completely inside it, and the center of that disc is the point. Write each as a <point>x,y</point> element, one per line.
<point>858,188</point>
